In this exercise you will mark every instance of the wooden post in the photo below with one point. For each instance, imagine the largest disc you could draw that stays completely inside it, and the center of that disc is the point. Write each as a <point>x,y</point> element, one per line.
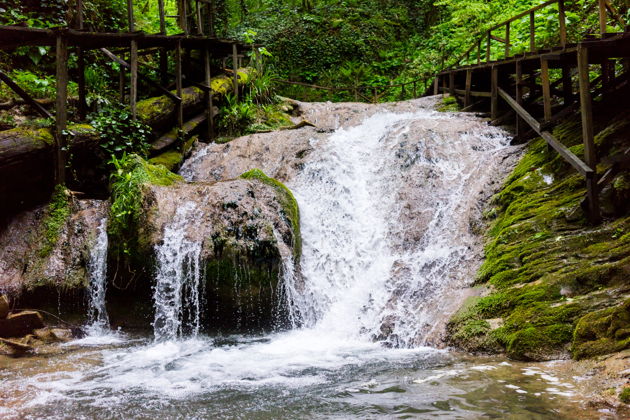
<point>494,93</point>
<point>567,85</point>
<point>178,85</point>
<point>520,124</point>
<point>588,134</point>
<point>532,32</point>
<point>208,95</point>
<point>479,52</point>
<point>507,40</point>
<point>121,84</point>
<point>468,86</point>
<point>82,108</point>
<point>163,51</point>
<point>133,87</point>
<point>130,18</point>
<point>602,17</point>
<point>451,84</point>
<point>235,69</point>
<point>436,85</point>
<point>546,88</point>
<point>563,24</point>
<point>488,47</point>
<point>183,18</point>
<point>61,117</point>
<point>199,20</point>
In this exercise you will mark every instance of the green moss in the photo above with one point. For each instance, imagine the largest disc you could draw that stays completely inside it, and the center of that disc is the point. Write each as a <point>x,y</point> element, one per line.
<point>288,202</point>
<point>602,332</point>
<point>449,104</point>
<point>547,268</point>
<point>170,160</point>
<point>58,213</point>
<point>624,395</point>
<point>132,172</point>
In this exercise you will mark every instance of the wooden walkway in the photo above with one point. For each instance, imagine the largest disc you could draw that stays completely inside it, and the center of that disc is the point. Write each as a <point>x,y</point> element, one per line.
<point>76,39</point>
<point>510,87</point>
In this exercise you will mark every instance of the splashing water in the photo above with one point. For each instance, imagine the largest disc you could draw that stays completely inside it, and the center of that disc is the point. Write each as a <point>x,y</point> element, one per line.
<point>97,277</point>
<point>177,294</point>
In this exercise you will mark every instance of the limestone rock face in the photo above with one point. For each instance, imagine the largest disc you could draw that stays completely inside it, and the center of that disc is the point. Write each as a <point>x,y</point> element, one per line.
<point>245,235</point>
<point>24,264</point>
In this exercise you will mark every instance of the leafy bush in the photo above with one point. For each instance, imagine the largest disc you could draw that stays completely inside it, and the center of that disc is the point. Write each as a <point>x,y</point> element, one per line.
<point>236,115</point>
<point>120,134</point>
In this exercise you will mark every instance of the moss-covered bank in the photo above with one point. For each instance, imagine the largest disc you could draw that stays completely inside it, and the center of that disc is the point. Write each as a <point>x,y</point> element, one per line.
<point>554,286</point>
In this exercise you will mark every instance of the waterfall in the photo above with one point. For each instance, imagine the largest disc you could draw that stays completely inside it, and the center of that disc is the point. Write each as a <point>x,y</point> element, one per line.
<point>177,295</point>
<point>97,277</point>
<point>386,207</point>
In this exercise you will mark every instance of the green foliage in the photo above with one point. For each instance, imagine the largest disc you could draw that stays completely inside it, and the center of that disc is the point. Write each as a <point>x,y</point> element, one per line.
<point>129,174</point>
<point>235,115</point>
<point>58,213</point>
<point>37,85</point>
<point>120,134</point>
<point>291,210</point>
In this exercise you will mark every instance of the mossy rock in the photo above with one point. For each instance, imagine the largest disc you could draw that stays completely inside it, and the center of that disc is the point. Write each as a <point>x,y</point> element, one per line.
<point>170,160</point>
<point>602,332</point>
<point>624,395</point>
<point>448,104</point>
<point>288,202</point>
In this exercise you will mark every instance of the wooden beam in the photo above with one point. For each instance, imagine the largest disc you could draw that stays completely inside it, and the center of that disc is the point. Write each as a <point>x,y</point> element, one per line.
<point>602,17</point>
<point>133,70</point>
<point>546,88</point>
<point>178,85</point>
<point>468,87</point>
<point>588,136</point>
<point>573,160</point>
<point>61,117</point>
<point>494,98</point>
<point>507,40</point>
<point>235,69</point>
<point>563,24</point>
<point>520,124</point>
<point>24,95</point>
<point>208,95</point>
<point>130,18</point>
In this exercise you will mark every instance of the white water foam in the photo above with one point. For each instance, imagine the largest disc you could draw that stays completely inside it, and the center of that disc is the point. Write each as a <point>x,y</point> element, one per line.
<point>97,278</point>
<point>177,294</point>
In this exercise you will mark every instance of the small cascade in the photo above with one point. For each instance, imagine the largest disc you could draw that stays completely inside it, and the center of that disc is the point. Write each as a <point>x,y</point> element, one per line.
<point>97,275</point>
<point>177,291</point>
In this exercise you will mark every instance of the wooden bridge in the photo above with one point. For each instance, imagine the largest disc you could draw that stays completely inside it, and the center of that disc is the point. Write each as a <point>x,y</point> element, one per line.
<point>510,84</point>
<point>77,39</point>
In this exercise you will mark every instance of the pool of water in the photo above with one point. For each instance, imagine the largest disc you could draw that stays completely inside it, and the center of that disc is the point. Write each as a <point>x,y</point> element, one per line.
<point>287,375</point>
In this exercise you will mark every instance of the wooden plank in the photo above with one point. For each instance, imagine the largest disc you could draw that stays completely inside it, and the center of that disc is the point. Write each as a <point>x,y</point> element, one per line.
<point>562,23</point>
<point>133,86</point>
<point>546,88</point>
<point>494,98</point>
<point>235,70</point>
<point>178,85</point>
<point>61,117</point>
<point>468,86</point>
<point>474,93</point>
<point>208,96</point>
<point>573,160</point>
<point>24,95</point>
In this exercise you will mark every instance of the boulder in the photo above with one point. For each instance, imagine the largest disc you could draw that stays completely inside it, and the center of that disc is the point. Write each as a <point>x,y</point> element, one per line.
<point>4,306</point>
<point>20,324</point>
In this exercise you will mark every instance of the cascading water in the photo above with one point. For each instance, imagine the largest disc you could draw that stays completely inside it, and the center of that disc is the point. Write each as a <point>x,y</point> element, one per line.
<point>387,212</point>
<point>358,264</point>
<point>177,294</point>
<point>97,277</point>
